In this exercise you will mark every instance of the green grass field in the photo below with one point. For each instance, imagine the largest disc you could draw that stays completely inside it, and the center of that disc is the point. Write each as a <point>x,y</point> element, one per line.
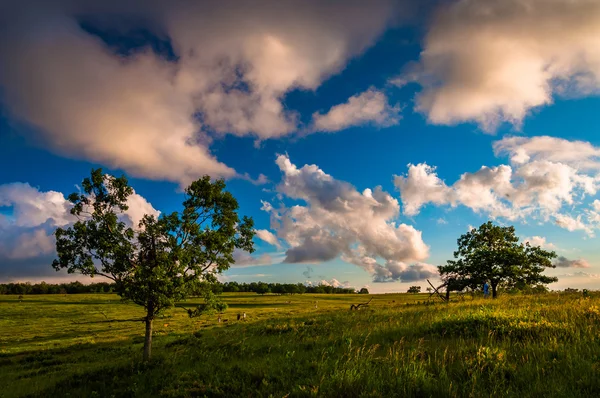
<point>537,346</point>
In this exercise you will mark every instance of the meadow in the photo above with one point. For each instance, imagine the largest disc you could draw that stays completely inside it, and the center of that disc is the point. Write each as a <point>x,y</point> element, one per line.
<point>304,345</point>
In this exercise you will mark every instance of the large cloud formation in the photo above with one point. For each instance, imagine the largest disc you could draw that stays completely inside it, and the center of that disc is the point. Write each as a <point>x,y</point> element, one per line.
<point>548,179</point>
<point>154,114</point>
<point>338,220</point>
<point>491,61</point>
<point>27,244</point>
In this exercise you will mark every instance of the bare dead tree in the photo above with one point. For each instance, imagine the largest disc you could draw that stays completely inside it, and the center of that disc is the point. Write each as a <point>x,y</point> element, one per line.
<point>437,290</point>
<point>358,306</point>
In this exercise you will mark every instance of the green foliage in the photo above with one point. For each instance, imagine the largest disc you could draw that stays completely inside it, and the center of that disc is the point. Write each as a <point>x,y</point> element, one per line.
<point>162,260</point>
<point>263,288</point>
<point>212,304</point>
<point>493,253</point>
<point>363,290</point>
<point>414,289</point>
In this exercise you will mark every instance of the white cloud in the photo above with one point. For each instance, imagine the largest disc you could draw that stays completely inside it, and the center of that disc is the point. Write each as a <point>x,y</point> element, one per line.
<point>577,154</point>
<point>573,223</point>
<point>540,241</point>
<point>138,208</point>
<point>334,283</point>
<point>441,221</point>
<point>541,182</point>
<point>27,242</point>
<point>338,220</point>
<point>492,61</point>
<point>31,208</point>
<point>420,186</point>
<point>155,117</point>
<point>369,107</point>
<point>268,237</point>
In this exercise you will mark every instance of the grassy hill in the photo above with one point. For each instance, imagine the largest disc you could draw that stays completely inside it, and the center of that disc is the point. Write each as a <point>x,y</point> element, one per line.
<point>304,345</point>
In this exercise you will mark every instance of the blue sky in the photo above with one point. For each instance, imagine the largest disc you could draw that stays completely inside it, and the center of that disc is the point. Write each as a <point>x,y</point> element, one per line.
<point>323,109</point>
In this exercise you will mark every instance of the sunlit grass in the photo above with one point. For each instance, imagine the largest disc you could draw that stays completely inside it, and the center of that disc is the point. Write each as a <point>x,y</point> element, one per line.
<point>305,345</point>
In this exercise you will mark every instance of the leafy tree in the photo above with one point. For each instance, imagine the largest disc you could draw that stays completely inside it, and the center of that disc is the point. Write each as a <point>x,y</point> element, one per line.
<point>301,289</point>
<point>493,253</point>
<point>262,288</point>
<point>364,290</point>
<point>162,260</point>
<point>414,289</point>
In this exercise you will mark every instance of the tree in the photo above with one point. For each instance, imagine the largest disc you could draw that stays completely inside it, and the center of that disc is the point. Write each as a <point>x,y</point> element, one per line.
<point>493,253</point>
<point>262,288</point>
<point>414,289</point>
<point>364,290</point>
<point>162,260</point>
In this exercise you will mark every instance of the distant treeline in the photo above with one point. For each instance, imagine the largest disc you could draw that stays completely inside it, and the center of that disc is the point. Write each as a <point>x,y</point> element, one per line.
<point>280,288</point>
<point>105,287</point>
<point>61,288</point>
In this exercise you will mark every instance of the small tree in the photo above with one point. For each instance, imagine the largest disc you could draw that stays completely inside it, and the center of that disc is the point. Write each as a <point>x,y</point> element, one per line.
<point>493,253</point>
<point>414,289</point>
<point>162,260</point>
<point>364,290</point>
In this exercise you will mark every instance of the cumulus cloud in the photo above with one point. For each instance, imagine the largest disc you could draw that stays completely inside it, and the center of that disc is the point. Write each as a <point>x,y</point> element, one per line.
<point>138,208</point>
<point>564,262</point>
<point>577,154</point>
<point>334,283</point>
<point>27,243</point>
<point>369,107</point>
<point>420,186</point>
<point>26,233</point>
<point>573,223</point>
<point>541,182</point>
<point>336,219</point>
<point>268,237</point>
<point>31,208</point>
<point>492,61</point>
<point>155,115</point>
<point>245,259</point>
<point>391,270</point>
<point>20,244</point>
<point>540,241</point>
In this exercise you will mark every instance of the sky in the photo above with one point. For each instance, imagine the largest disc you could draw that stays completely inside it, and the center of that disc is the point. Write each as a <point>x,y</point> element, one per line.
<point>362,137</point>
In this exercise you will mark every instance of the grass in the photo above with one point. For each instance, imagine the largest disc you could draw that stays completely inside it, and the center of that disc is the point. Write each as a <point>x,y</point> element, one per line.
<point>546,345</point>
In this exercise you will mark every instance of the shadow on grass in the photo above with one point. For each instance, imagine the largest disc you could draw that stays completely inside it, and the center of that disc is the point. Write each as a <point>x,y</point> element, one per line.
<point>58,301</point>
<point>82,369</point>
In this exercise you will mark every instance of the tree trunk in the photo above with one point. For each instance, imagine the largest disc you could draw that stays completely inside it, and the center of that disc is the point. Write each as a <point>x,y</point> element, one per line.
<point>494,290</point>
<point>447,294</point>
<point>148,339</point>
